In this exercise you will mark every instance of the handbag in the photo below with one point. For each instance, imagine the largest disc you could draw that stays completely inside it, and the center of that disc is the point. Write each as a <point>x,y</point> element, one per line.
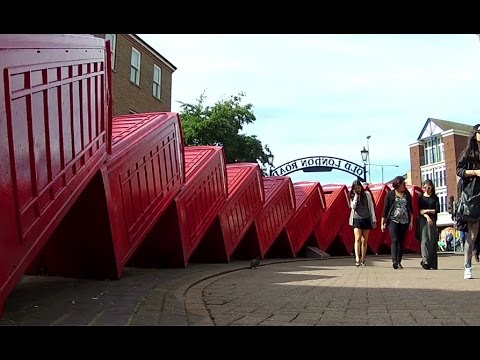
<point>468,209</point>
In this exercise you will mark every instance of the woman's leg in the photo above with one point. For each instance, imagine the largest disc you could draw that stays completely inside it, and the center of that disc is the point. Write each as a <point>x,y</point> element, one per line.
<point>431,240</point>
<point>392,228</point>
<point>424,242</point>
<point>365,234</point>
<point>358,234</point>
<point>433,249</point>
<point>403,230</point>
<point>469,243</point>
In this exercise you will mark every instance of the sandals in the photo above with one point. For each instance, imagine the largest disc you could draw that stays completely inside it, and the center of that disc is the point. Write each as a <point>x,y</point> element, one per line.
<point>360,263</point>
<point>425,265</point>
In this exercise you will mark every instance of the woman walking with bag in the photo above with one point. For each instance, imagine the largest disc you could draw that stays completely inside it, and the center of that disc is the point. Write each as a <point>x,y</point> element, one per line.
<point>362,218</point>
<point>468,169</point>
<point>429,207</point>
<point>398,216</point>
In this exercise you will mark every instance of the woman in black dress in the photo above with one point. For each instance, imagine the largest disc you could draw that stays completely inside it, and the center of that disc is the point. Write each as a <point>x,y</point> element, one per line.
<point>429,207</point>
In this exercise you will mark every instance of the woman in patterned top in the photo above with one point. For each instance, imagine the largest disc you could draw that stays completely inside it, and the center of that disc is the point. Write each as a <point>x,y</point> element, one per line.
<point>398,216</point>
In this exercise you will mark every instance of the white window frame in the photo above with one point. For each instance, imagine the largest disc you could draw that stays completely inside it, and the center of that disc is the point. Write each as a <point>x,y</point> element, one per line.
<point>135,68</point>
<point>113,45</point>
<point>442,199</point>
<point>434,150</point>
<point>157,85</point>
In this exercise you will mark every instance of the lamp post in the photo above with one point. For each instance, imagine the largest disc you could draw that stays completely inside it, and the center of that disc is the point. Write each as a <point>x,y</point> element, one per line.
<point>368,159</point>
<point>364,153</point>
<point>383,165</point>
<point>270,158</point>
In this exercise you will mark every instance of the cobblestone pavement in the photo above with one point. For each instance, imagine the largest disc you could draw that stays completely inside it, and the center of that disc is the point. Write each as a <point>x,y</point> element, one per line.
<point>282,292</point>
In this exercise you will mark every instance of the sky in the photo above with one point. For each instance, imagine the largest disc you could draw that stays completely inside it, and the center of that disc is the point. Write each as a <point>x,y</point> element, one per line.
<point>323,94</point>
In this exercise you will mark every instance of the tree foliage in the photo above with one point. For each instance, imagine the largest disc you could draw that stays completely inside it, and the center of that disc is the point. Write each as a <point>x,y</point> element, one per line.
<point>221,124</point>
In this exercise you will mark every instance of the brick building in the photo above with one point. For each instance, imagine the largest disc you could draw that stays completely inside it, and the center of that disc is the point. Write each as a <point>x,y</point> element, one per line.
<point>435,155</point>
<point>142,78</point>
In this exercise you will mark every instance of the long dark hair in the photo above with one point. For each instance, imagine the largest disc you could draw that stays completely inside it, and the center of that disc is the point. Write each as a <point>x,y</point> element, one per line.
<point>471,154</point>
<point>363,197</point>
<point>430,183</point>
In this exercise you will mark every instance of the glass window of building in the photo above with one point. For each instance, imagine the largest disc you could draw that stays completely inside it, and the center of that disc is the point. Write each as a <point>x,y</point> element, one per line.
<point>135,67</point>
<point>157,81</point>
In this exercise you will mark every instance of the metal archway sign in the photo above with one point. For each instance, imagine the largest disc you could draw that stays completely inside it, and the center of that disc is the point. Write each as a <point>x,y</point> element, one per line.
<point>319,164</point>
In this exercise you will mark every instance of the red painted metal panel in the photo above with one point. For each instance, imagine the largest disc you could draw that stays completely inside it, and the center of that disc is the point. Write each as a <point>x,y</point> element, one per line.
<point>204,194</point>
<point>336,214</point>
<point>138,181</point>
<point>278,209</point>
<point>53,114</point>
<point>245,200</point>
<point>145,172</point>
<point>197,205</point>
<point>377,240</point>
<point>310,207</point>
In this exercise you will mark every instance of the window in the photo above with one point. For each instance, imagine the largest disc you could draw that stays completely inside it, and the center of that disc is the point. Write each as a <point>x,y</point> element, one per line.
<point>157,81</point>
<point>135,67</point>
<point>437,174</point>
<point>442,197</point>
<point>113,45</point>
<point>434,150</point>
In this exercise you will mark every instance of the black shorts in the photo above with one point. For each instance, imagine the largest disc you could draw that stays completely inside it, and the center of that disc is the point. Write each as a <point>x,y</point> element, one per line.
<point>363,224</point>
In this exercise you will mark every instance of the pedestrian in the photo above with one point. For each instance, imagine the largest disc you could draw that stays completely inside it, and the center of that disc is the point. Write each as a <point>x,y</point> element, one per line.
<point>427,232</point>
<point>468,169</point>
<point>362,219</point>
<point>398,216</point>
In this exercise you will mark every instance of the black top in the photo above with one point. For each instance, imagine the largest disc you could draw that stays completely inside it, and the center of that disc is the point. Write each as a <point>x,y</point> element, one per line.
<point>467,165</point>
<point>429,202</point>
<point>390,199</point>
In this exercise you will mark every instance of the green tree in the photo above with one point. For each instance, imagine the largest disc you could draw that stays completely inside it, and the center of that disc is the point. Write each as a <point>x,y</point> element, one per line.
<point>220,124</point>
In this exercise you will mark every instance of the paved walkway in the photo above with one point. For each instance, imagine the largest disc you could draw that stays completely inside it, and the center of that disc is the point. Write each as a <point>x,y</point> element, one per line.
<point>280,292</point>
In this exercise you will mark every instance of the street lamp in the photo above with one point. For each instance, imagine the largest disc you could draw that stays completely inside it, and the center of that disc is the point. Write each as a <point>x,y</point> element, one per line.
<point>383,165</point>
<point>270,158</point>
<point>364,154</point>
<point>368,159</point>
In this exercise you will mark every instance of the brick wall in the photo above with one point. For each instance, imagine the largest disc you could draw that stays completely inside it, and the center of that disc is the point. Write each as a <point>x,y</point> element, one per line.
<point>454,145</point>
<point>416,152</point>
<point>127,96</point>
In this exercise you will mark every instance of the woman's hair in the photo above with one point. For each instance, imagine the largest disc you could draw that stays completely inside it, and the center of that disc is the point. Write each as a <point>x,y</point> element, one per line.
<point>363,197</point>
<point>470,153</point>
<point>397,182</point>
<point>429,182</point>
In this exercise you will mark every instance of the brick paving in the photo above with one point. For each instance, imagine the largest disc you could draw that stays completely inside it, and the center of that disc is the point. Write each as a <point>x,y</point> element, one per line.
<point>281,292</point>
